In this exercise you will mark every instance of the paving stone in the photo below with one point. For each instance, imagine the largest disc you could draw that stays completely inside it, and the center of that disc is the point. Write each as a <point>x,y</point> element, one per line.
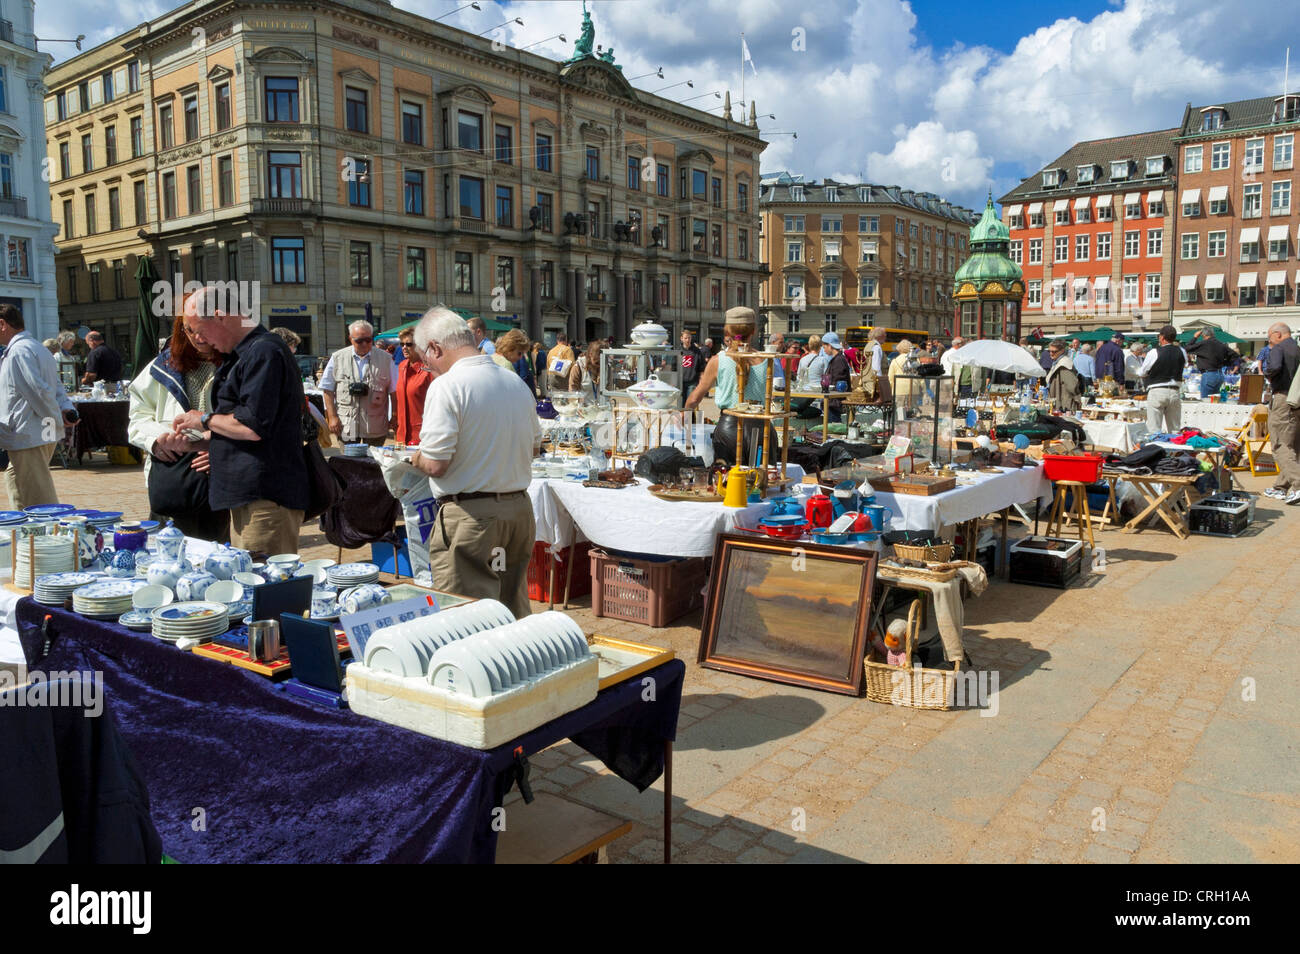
<point>729,839</point>
<point>1103,855</point>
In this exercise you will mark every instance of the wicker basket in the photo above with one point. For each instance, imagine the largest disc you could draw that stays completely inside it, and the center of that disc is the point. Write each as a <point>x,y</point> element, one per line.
<point>924,552</point>
<point>911,686</point>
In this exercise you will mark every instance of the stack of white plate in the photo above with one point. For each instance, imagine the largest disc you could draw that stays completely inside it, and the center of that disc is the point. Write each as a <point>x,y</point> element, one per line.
<point>198,619</point>
<point>51,554</point>
<point>406,648</point>
<point>352,574</point>
<point>105,599</point>
<point>54,589</point>
<point>496,660</point>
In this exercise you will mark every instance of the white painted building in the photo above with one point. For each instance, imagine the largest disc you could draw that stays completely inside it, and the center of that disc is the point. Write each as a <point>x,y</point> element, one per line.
<point>27,278</point>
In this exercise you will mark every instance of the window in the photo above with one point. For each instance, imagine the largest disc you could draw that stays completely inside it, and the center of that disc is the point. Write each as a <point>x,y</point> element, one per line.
<point>1281,198</point>
<point>594,219</point>
<point>1250,251</point>
<point>1155,241</point>
<point>543,153</point>
<point>133,77</point>
<point>105,79</point>
<point>503,138</point>
<point>413,192</point>
<point>796,193</point>
<point>716,185</point>
<point>1192,158</point>
<point>665,231</point>
<point>110,145</point>
<point>742,242</point>
<point>1213,294</point>
<point>1133,210</point>
<point>1155,166</point>
<point>665,290</point>
<point>1251,200</point>
<point>1084,174</point>
<point>471,198</point>
<point>691,298</point>
<point>634,173</point>
<point>794,223</point>
<point>65,160</point>
<point>1103,246</point>
<point>593,164</point>
<point>899,227</point>
<point>1063,216</point>
<point>1119,169</point>
<point>1132,244</point>
<point>1275,295</point>
<point>359,183</point>
<point>193,190</point>
<point>1192,209</point>
<point>413,123</point>
<point>469,131</point>
<point>137,137</point>
<point>191,109</point>
<point>1153,289</point>
<point>546,280</point>
<point>359,263</point>
<point>699,184</point>
<point>1211,120</point>
<point>1253,159</point>
<point>661,179</point>
<point>83,95</point>
<point>1036,220</point>
<point>141,202</point>
<point>1081,291</point>
<point>1219,206</point>
<point>871,250</point>
<point>1035,251</point>
<point>281,99</point>
<point>198,262</point>
<point>91,227</point>
<point>463,272</point>
<point>1156,208</point>
<point>114,209</point>
<point>169,195</point>
<point>222,96</point>
<point>415,270</point>
<point>1105,213</point>
<point>61,100</point>
<point>1058,291</point>
<point>914,230</point>
<point>794,251</point>
<point>866,288</point>
<point>87,154</point>
<point>794,288</point>
<point>356,109</point>
<point>506,207</point>
<point>1034,292</point>
<point>1082,245</point>
<point>1277,249</point>
<point>119,279</point>
<point>1216,244</point>
<point>506,275</point>
<point>164,127</point>
<point>1220,156</point>
<point>546,204</point>
<point>284,172</point>
<point>1051,178</point>
<point>911,256</point>
<point>1062,253</point>
<point>868,223</point>
<point>1248,294</point>
<point>1282,151</point>
<point>831,250</point>
<point>1130,289</point>
<point>698,232</point>
<point>742,196</point>
<point>72,284</point>
<point>1191,245</point>
<point>288,261</point>
<point>715,294</point>
<point>1083,215</point>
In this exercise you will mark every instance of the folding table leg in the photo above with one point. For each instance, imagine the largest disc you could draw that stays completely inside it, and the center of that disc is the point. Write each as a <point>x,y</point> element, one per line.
<point>668,802</point>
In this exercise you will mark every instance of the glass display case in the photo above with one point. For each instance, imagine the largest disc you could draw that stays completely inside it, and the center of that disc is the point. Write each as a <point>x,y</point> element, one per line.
<point>620,368</point>
<point>923,410</point>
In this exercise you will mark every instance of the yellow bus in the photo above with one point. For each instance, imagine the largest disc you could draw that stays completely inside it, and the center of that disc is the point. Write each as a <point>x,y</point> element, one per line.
<point>858,335</point>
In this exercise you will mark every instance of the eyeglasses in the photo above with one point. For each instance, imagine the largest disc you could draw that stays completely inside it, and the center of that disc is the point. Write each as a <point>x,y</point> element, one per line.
<point>408,344</point>
<point>362,340</point>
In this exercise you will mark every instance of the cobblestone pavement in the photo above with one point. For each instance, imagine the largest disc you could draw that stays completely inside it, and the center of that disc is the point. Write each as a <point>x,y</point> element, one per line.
<point>1148,715</point>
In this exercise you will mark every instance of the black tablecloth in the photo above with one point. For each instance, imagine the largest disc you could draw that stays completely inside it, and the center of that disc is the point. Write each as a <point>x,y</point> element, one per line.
<point>368,512</point>
<point>279,779</point>
<point>103,424</point>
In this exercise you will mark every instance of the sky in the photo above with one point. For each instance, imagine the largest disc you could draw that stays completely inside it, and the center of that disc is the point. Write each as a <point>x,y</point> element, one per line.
<point>956,97</point>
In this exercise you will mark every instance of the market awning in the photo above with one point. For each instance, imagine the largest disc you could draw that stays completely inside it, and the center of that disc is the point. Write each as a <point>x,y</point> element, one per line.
<point>1132,198</point>
<point>1014,209</point>
<point>1218,193</point>
<point>1061,205</point>
<point>1103,281</point>
<point>1186,282</point>
<point>1156,195</point>
<point>1103,201</point>
<point>1191,196</point>
<point>1035,208</point>
<point>1247,279</point>
<point>1081,202</point>
<point>1214,281</point>
<point>1275,278</point>
<point>1248,235</point>
<point>1277,233</point>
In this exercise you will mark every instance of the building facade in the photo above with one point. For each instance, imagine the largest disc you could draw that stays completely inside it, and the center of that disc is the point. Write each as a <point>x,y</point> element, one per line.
<point>1238,226</point>
<point>844,254</point>
<point>1093,233</point>
<point>346,158</point>
<point>26,231</point>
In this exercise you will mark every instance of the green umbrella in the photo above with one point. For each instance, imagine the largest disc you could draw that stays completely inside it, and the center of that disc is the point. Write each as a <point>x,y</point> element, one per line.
<point>146,330</point>
<point>1219,333</point>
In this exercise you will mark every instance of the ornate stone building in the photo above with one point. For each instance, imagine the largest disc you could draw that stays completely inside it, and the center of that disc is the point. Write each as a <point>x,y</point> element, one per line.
<point>345,157</point>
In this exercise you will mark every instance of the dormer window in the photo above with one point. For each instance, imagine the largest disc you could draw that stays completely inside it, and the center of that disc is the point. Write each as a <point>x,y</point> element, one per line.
<point>864,193</point>
<point>1119,169</point>
<point>1211,119</point>
<point>832,195</point>
<point>1286,109</point>
<point>796,193</point>
<point>1051,178</point>
<point>1086,174</point>
<point>1155,165</point>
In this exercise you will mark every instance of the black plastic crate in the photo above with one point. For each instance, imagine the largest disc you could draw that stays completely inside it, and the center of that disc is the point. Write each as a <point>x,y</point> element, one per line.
<point>1219,518</point>
<point>1046,561</point>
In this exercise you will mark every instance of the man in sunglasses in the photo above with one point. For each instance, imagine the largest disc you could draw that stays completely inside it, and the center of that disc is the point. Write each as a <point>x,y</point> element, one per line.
<point>359,384</point>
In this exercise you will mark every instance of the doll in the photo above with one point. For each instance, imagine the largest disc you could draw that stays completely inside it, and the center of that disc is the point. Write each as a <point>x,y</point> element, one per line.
<point>896,643</point>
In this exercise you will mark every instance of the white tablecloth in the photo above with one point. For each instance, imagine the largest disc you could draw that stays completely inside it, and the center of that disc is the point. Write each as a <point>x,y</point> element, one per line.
<point>990,495</point>
<point>1120,435</point>
<point>1215,418</point>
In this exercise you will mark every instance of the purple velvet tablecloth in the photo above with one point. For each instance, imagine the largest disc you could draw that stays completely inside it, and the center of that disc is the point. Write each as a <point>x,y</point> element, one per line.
<point>279,779</point>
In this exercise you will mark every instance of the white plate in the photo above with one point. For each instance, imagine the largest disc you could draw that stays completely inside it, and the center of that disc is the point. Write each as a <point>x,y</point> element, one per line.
<point>507,653</point>
<point>390,653</point>
<point>452,670</point>
<point>540,630</point>
<point>151,597</point>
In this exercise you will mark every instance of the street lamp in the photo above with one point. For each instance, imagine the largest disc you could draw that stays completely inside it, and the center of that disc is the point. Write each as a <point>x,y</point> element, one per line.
<point>658,72</point>
<point>690,83</point>
<point>500,25</point>
<point>457,10</point>
<point>80,37</point>
<point>558,36</point>
<point>715,95</point>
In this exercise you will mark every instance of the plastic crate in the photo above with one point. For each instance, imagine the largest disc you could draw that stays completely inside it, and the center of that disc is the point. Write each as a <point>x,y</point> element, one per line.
<point>646,591</point>
<point>1213,517</point>
<point>1240,496</point>
<point>1045,561</point>
<point>1085,468</point>
<point>539,572</point>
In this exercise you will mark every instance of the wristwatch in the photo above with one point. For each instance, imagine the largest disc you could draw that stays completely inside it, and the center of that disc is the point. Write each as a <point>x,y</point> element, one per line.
<point>203,421</point>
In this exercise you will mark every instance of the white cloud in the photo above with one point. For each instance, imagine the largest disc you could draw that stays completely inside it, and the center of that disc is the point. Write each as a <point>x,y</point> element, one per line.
<point>930,158</point>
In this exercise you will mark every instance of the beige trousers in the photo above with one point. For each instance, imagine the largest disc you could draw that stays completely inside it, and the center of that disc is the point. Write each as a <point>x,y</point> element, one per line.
<point>265,528</point>
<point>481,548</point>
<point>28,479</point>
<point>1284,434</point>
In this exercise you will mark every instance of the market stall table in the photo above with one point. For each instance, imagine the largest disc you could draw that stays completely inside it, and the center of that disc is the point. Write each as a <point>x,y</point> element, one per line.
<point>285,780</point>
<point>1215,418</point>
<point>1118,435</point>
<point>992,494</point>
<point>102,424</point>
<point>1167,497</point>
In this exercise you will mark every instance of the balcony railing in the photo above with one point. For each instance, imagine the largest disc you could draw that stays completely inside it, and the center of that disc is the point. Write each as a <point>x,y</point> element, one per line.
<point>471,225</point>
<point>14,205</point>
<point>283,207</point>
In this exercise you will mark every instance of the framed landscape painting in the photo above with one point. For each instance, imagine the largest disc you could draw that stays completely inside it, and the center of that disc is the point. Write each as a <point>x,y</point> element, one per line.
<point>787,611</point>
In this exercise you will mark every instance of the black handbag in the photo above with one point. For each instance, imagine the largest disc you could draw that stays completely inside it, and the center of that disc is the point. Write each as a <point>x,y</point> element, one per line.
<point>176,488</point>
<point>325,487</point>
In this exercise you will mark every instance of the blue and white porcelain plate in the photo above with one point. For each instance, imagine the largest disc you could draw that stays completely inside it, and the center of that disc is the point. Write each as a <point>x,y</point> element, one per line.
<point>109,589</point>
<point>68,579</point>
<point>149,526</point>
<point>194,610</point>
<point>137,620</point>
<point>49,510</point>
<point>353,571</point>
<point>12,516</point>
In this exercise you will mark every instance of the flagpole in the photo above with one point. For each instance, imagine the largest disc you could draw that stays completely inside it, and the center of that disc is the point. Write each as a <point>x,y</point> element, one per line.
<point>742,77</point>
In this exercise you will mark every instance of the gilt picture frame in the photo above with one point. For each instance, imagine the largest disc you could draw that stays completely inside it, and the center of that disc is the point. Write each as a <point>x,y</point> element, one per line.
<point>790,612</point>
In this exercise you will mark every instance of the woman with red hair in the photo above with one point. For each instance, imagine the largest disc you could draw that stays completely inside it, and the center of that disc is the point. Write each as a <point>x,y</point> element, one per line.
<point>178,380</point>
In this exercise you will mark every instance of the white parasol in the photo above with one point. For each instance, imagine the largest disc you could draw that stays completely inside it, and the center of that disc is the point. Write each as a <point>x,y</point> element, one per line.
<point>997,355</point>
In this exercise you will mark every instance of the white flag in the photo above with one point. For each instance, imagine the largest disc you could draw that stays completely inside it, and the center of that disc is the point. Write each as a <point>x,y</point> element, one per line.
<point>745,57</point>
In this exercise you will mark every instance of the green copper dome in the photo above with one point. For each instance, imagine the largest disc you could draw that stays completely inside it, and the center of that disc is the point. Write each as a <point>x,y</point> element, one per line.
<point>990,242</point>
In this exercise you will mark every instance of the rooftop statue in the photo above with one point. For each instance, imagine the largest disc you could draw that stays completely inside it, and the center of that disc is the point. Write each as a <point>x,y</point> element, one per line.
<point>582,46</point>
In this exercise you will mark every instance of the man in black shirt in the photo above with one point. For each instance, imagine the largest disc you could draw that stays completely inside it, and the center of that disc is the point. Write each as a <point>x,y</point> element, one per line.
<point>103,364</point>
<point>1283,419</point>
<point>693,361</point>
<point>1163,372</point>
<point>257,467</point>
<point>1212,356</point>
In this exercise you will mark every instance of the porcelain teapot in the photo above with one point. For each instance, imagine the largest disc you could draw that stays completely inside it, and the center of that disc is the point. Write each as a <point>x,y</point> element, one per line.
<point>224,562</point>
<point>165,573</point>
<point>649,335</point>
<point>653,394</point>
<point>192,585</point>
<point>171,544</point>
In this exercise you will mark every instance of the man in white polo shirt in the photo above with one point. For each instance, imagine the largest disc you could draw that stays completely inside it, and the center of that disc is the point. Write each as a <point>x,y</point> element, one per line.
<point>477,442</point>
